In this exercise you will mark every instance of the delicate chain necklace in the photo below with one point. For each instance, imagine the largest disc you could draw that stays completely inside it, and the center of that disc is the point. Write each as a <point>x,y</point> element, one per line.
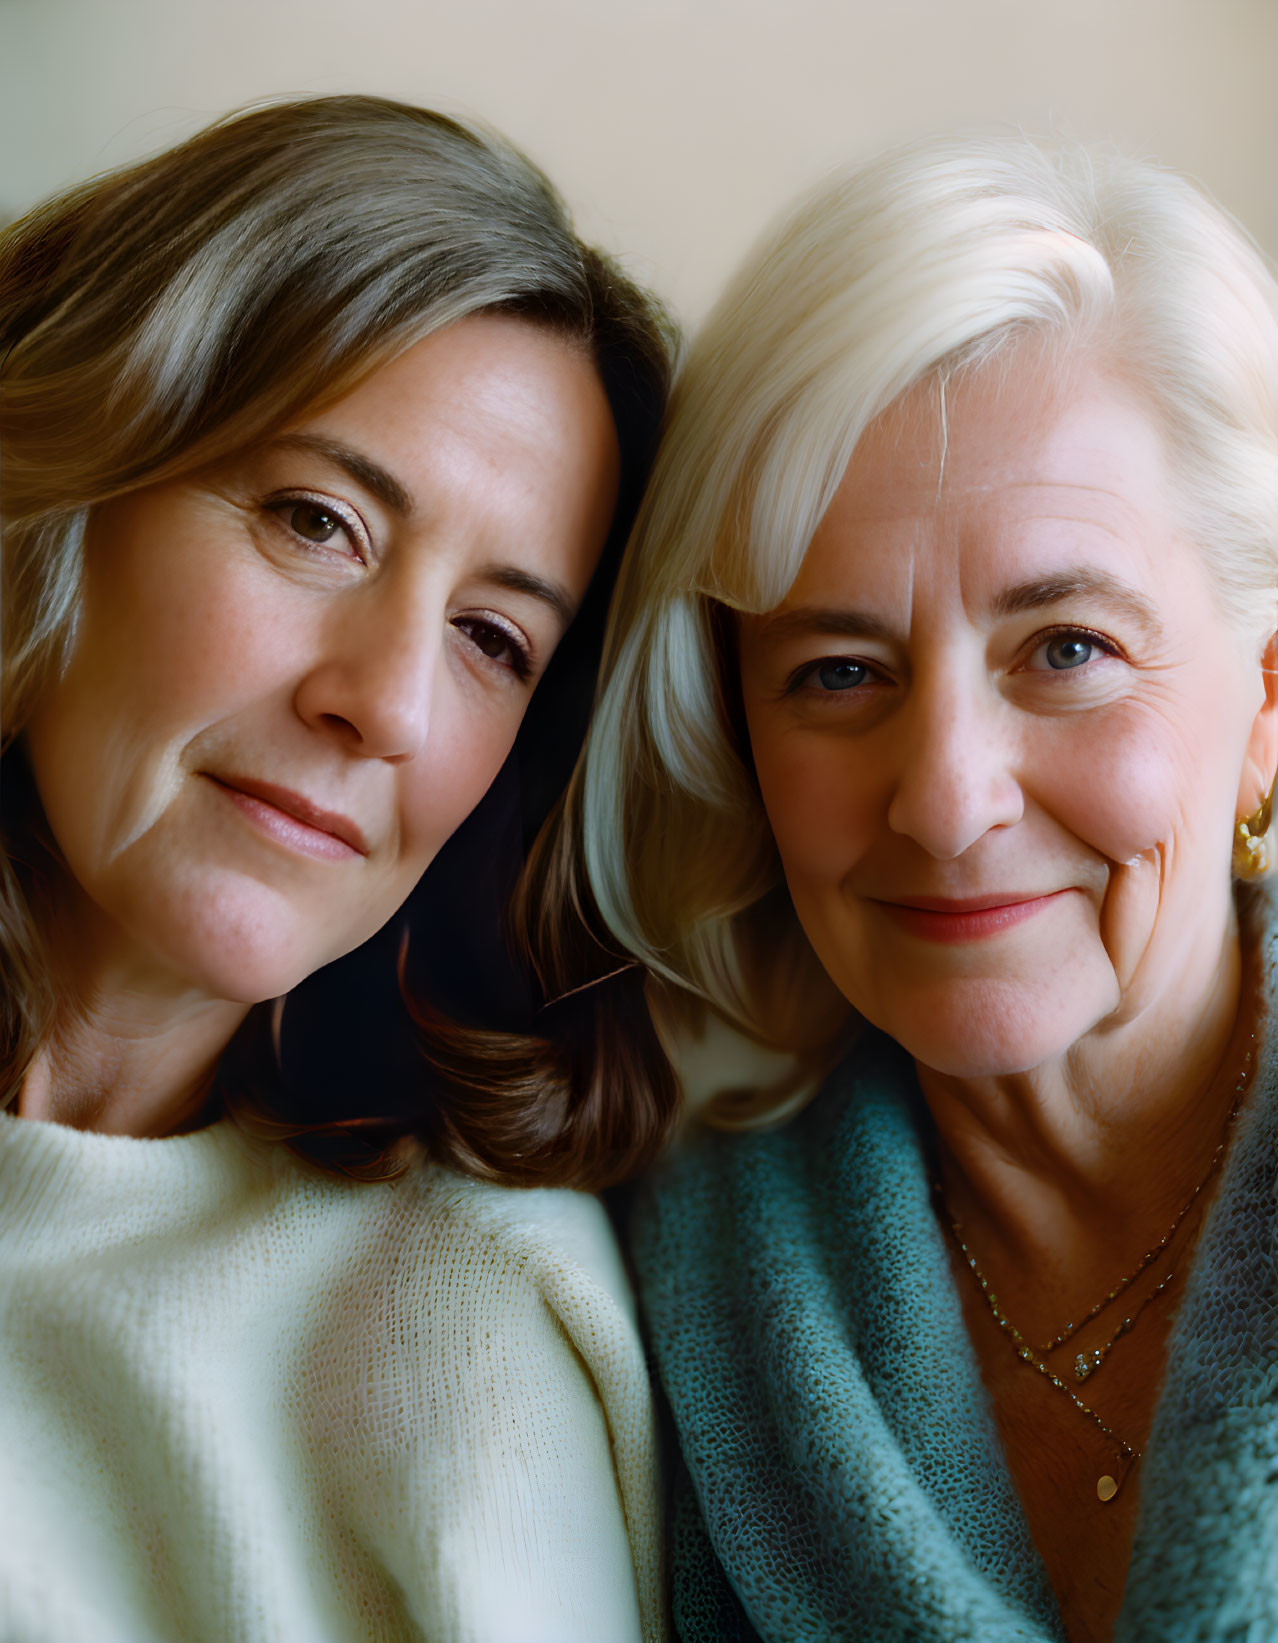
<point>1151,1255</point>
<point>1107,1485</point>
<point>1089,1361</point>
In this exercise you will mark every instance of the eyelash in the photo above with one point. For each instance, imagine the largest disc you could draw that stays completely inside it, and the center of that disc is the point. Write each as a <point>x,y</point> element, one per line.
<point>802,676</point>
<point>345,519</point>
<point>521,657</point>
<point>1088,635</point>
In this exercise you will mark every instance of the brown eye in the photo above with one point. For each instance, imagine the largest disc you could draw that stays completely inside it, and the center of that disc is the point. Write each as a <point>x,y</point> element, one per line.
<point>312,522</point>
<point>497,643</point>
<point>491,641</point>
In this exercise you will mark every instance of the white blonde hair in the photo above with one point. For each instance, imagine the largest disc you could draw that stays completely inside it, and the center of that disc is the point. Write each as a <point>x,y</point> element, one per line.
<point>935,257</point>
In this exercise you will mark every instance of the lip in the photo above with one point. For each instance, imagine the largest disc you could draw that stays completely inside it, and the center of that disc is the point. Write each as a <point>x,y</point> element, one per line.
<point>967,918</point>
<point>292,819</point>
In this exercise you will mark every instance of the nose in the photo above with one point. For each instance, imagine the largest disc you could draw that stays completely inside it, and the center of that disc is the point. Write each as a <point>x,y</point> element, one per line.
<point>373,683</point>
<point>957,777</point>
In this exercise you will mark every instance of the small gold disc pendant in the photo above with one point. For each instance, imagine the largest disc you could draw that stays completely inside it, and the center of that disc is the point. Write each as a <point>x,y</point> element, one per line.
<point>1106,1487</point>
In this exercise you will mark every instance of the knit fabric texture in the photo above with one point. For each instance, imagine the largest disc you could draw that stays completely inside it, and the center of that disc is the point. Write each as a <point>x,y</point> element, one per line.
<point>248,1403</point>
<point>841,1477</point>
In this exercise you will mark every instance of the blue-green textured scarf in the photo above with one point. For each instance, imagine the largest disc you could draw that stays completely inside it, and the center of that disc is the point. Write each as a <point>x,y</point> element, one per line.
<point>841,1477</point>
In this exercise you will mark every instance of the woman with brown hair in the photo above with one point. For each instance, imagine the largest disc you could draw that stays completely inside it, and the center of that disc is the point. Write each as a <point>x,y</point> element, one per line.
<point>313,434</point>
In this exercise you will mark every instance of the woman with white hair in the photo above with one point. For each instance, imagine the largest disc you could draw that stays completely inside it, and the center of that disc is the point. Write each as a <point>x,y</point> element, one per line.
<point>314,433</point>
<point>935,748</point>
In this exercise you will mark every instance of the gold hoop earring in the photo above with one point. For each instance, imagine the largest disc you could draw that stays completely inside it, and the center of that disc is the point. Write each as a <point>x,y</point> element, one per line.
<point>1251,843</point>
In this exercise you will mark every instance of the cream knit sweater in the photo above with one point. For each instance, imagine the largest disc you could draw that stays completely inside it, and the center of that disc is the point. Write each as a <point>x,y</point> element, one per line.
<point>244,1402</point>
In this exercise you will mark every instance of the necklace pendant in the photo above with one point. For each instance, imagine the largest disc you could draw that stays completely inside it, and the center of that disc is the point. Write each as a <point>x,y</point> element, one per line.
<point>1085,1363</point>
<point>1106,1488</point>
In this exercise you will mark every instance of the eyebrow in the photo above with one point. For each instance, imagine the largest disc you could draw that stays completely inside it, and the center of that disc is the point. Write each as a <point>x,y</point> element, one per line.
<point>850,624</point>
<point>537,587</point>
<point>379,481</point>
<point>1080,582</point>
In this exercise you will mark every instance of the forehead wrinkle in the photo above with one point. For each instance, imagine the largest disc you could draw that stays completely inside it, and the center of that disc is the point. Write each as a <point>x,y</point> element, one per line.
<point>1111,496</point>
<point>1074,524</point>
<point>999,485</point>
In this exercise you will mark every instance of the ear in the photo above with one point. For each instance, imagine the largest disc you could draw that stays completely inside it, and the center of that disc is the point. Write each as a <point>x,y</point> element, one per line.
<point>1261,759</point>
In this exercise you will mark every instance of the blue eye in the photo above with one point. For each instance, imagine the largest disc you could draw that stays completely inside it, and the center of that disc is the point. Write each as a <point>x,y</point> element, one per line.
<point>840,675</point>
<point>1068,650</point>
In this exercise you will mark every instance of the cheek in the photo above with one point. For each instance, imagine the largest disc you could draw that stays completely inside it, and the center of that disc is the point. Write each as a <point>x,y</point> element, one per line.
<point>443,785</point>
<point>1150,788</point>
<point>1118,787</point>
<point>821,802</point>
<point>158,660</point>
<point>192,634</point>
<point>1140,778</point>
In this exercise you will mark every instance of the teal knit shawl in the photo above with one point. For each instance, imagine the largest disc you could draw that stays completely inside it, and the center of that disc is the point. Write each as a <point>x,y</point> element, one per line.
<point>841,1477</point>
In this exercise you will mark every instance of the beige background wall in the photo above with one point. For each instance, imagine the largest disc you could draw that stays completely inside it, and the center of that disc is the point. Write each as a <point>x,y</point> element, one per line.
<point>675,127</point>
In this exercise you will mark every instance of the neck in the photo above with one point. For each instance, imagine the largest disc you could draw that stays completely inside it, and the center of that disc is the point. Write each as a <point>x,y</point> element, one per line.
<point>133,1046</point>
<point>1076,1165</point>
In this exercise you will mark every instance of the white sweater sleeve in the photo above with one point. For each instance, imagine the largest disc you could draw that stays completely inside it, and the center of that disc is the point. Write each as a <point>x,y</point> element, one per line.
<point>515,1482</point>
<point>257,1404</point>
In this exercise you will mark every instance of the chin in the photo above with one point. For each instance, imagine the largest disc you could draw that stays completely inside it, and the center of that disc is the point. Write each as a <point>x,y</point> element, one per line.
<point>243,942</point>
<point>244,972</point>
<point>990,1029</point>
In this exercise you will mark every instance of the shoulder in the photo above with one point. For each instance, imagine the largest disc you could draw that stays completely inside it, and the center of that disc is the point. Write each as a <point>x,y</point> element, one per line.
<point>477,1397</point>
<point>714,1166</point>
<point>533,1278</point>
<point>722,1196</point>
<point>435,1262</point>
<point>552,1243</point>
<point>491,1371</point>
